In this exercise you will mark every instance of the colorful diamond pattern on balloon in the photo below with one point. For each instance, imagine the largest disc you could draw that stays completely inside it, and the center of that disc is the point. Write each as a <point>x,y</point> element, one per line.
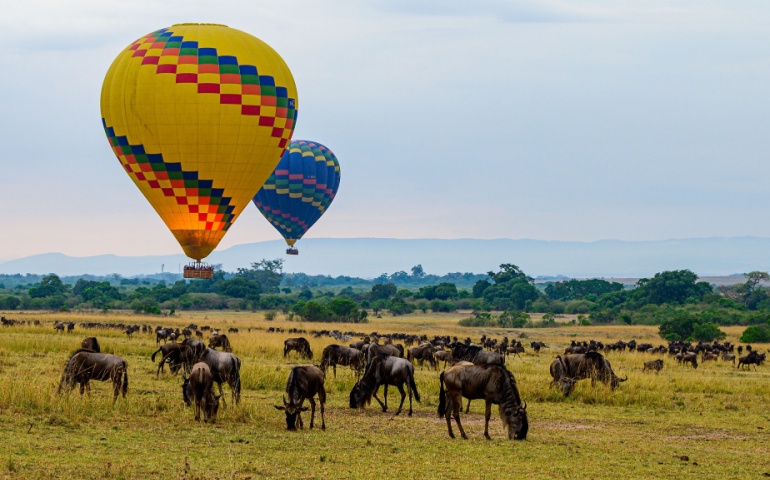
<point>199,195</point>
<point>300,189</point>
<point>258,93</point>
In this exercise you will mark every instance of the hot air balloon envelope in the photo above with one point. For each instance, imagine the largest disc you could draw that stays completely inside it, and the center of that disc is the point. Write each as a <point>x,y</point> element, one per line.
<point>300,189</point>
<point>198,116</point>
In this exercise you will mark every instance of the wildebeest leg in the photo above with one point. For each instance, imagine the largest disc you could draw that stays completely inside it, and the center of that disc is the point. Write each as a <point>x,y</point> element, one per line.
<point>322,400</point>
<point>384,406</point>
<point>448,414</point>
<point>82,387</point>
<point>221,395</point>
<point>467,407</point>
<point>487,414</point>
<point>457,402</point>
<point>403,397</point>
<point>312,411</point>
<point>115,385</point>
<point>334,367</point>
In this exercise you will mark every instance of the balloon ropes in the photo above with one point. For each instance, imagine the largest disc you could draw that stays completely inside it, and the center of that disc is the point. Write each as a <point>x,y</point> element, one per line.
<point>198,116</point>
<point>300,190</point>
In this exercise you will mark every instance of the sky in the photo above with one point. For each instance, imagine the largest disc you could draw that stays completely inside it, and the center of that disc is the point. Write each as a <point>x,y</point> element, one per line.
<point>551,120</point>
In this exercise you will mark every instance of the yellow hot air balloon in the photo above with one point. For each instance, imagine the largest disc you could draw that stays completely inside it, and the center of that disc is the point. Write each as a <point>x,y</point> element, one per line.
<point>199,116</point>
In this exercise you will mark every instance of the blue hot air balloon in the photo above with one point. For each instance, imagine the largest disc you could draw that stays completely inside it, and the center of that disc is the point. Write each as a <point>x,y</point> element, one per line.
<point>300,189</point>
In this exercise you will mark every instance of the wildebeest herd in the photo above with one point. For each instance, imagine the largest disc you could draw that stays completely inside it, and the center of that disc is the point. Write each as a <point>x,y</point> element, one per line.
<point>475,371</point>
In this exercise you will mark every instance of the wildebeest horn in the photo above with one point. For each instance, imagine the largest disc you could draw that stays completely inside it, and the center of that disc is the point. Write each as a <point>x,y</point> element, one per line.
<point>524,406</point>
<point>623,380</point>
<point>284,400</point>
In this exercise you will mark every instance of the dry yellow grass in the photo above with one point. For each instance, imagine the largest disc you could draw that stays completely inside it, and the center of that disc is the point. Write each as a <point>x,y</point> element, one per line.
<point>711,422</point>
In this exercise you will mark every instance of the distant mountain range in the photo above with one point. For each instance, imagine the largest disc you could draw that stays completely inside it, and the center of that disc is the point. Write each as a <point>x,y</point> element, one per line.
<point>371,257</point>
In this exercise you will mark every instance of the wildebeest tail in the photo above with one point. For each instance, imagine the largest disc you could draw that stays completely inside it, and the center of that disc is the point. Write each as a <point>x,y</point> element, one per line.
<point>125,379</point>
<point>413,386</point>
<point>441,396</point>
<point>153,355</point>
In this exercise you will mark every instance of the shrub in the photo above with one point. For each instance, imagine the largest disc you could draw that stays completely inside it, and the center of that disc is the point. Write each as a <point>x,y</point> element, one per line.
<point>756,334</point>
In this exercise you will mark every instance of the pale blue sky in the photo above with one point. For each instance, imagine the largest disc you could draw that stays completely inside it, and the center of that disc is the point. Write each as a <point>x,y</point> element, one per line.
<point>554,120</point>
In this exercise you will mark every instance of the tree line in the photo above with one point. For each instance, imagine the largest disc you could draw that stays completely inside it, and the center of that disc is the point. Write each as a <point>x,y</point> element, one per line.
<point>682,306</point>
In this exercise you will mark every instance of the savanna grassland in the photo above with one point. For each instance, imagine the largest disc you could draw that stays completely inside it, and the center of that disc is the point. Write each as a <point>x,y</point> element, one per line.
<point>712,422</point>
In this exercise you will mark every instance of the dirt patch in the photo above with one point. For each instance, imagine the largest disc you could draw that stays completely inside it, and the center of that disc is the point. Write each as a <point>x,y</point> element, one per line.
<point>566,426</point>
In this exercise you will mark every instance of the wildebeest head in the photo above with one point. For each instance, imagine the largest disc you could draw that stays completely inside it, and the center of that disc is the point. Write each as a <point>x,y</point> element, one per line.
<point>187,390</point>
<point>518,424</point>
<point>211,408</point>
<point>292,411</point>
<point>567,384</point>
<point>359,396</point>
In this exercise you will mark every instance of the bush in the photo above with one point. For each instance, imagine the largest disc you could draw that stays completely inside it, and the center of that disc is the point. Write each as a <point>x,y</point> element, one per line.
<point>707,332</point>
<point>482,319</point>
<point>756,334</point>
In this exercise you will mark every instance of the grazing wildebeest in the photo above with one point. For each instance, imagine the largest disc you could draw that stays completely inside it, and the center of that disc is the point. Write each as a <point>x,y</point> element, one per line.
<point>177,355</point>
<point>475,354</point>
<point>201,383</point>
<point>220,341</point>
<point>334,355</point>
<point>225,368</point>
<point>493,383</point>
<point>196,349</point>
<point>422,353</point>
<point>385,370</point>
<point>85,365</point>
<point>653,365</point>
<point>536,346</point>
<point>305,381</point>
<point>91,343</point>
<point>298,344</point>
<point>566,370</point>
<point>59,327</point>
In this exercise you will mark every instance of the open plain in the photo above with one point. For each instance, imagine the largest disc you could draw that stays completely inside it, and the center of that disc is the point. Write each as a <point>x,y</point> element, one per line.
<point>709,422</point>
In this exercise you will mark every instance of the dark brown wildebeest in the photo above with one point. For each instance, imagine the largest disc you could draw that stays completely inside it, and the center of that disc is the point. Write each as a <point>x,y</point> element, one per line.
<point>298,344</point>
<point>687,357</point>
<point>421,354</point>
<point>225,368</point>
<point>162,334</point>
<point>536,346</point>
<point>70,327</point>
<point>91,343</point>
<point>475,354</point>
<point>176,354</point>
<point>653,365</point>
<point>196,349</point>
<point>85,365</point>
<point>58,326</point>
<point>385,370</point>
<point>305,381</point>
<point>220,341</point>
<point>334,355</point>
<point>493,383</point>
<point>515,349</point>
<point>753,358</point>
<point>566,370</point>
<point>202,386</point>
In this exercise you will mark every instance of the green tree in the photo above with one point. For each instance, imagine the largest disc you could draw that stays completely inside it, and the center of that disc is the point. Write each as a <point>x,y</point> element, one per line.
<point>756,334</point>
<point>267,273</point>
<point>707,332</point>
<point>675,287</point>
<point>50,285</point>
<point>382,291</point>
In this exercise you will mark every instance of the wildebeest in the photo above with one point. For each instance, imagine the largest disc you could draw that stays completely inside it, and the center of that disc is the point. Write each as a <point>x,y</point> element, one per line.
<point>515,349</point>
<point>220,341</point>
<point>475,354</point>
<point>728,357</point>
<point>754,358</point>
<point>443,356</point>
<point>493,383</point>
<point>653,365</point>
<point>177,355</point>
<point>304,382</point>
<point>536,346</point>
<point>385,370</point>
<point>84,366</point>
<point>375,349</point>
<point>58,326</point>
<point>334,355</point>
<point>202,386</point>
<point>687,357</point>
<point>196,349</point>
<point>566,370</point>
<point>225,368</point>
<point>422,353</point>
<point>298,344</point>
<point>91,343</point>
<point>162,334</point>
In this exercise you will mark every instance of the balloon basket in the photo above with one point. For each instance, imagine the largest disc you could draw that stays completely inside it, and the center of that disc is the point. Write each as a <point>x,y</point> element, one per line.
<point>292,251</point>
<point>198,270</point>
